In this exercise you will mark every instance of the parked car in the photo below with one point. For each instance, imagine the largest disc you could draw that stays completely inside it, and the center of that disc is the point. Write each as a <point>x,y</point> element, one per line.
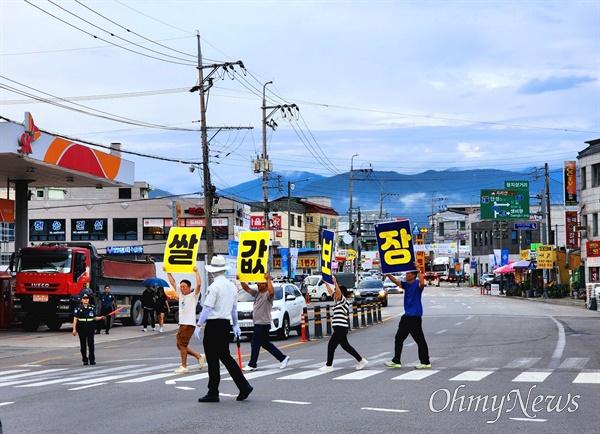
<point>391,287</point>
<point>318,291</point>
<point>288,306</point>
<point>370,290</point>
<point>485,278</point>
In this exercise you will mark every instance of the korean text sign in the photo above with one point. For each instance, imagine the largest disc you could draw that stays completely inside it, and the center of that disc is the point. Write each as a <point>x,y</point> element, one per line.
<point>327,255</point>
<point>181,249</point>
<point>253,255</point>
<point>395,244</point>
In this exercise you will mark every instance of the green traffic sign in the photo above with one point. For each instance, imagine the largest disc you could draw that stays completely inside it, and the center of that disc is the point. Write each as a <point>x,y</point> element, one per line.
<point>504,204</point>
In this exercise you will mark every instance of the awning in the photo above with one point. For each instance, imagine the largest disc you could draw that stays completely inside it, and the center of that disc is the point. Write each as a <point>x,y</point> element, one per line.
<point>509,268</point>
<point>524,263</point>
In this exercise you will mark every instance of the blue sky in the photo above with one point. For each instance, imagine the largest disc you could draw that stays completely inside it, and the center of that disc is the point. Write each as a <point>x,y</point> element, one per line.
<point>407,85</point>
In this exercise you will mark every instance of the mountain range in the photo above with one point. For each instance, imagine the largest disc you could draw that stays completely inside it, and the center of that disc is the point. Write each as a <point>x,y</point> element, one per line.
<point>397,195</point>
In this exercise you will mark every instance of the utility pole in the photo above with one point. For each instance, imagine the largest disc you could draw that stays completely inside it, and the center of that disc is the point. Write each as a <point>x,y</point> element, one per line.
<point>264,165</point>
<point>359,247</point>
<point>203,86</point>
<point>351,193</point>
<point>547,199</point>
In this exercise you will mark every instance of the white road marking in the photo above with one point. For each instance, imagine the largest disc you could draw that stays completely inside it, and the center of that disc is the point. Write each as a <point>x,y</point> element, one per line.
<point>359,375</point>
<point>474,362</point>
<point>185,388</point>
<point>12,371</point>
<point>88,386</point>
<point>469,317</point>
<point>459,323</point>
<point>441,331</point>
<point>189,378</point>
<point>574,363</point>
<point>148,378</point>
<point>6,403</point>
<point>588,377</point>
<point>261,373</point>
<point>389,410</point>
<point>472,376</point>
<point>284,401</point>
<point>560,345</point>
<point>523,363</point>
<point>416,374</point>
<point>32,373</point>
<point>532,376</point>
<point>318,365</point>
<point>304,375</point>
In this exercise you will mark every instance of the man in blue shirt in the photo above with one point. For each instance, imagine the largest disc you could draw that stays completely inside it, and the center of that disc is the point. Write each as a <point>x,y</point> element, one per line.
<point>411,321</point>
<point>107,306</point>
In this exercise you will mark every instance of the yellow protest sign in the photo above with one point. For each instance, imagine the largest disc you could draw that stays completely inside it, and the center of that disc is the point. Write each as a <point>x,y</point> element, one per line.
<point>181,249</point>
<point>253,256</point>
<point>545,256</point>
<point>351,255</point>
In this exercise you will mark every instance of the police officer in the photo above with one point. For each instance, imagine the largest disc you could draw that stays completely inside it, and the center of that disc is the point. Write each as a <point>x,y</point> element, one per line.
<point>83,324</point>
<point>108,305</point>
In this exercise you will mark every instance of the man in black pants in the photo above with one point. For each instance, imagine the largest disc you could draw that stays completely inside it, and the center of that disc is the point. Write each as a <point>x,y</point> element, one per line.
<point>107,306</point>
<point>218,308</point>
<point>411,321</point>
<point>148,303</point>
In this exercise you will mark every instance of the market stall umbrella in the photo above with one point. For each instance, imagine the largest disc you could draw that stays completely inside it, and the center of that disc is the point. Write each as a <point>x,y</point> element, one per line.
<point>525,264</point>
<point>155,281</point>
<point>509,268</point>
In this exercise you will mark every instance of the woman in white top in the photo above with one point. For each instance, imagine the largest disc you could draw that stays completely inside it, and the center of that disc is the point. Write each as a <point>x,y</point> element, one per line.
<point>340,328</point>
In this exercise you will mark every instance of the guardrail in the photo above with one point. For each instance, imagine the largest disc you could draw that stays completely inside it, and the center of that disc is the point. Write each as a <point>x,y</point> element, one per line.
<point>369,313</point>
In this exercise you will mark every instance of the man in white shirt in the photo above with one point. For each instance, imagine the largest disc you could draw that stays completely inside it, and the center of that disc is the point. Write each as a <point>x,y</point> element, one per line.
<point>219,307</point>
<point>187,319</point>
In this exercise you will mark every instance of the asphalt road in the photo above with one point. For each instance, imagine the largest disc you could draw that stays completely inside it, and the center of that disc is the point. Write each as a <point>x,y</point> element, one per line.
<point>499,365</point>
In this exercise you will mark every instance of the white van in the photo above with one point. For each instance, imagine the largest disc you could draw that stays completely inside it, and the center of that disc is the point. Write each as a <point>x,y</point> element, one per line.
<point>317,290</point>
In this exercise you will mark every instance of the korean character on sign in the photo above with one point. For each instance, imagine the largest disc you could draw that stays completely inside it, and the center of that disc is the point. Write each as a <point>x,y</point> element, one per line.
<point>396,246</point>
<point>250,248</point>
<point>182,249</point>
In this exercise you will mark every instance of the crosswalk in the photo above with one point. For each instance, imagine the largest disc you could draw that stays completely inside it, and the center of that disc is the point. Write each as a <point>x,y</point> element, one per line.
<point>521,370</point>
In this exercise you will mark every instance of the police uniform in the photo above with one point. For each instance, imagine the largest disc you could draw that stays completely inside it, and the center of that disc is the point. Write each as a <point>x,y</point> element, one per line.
<point>85,331</point>
<point>106,308</point>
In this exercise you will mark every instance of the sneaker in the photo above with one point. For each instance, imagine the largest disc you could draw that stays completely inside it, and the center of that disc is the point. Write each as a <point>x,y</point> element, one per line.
<point>201,361</point>
<point>391,364</point>
<point>144,329</point>
<point>181,370</point>
<point>160,330</point>
<point>248,368</point>
<point>284,362</point>
<point>423,366</point>
<point>153,329</point>
<point>326,368</point>
<point>361,364</point>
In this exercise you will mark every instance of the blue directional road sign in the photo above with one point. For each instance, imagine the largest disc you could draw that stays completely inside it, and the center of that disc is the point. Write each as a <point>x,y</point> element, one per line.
<point>504,204</point>
<point>529,226</point>
<point>416,230</point>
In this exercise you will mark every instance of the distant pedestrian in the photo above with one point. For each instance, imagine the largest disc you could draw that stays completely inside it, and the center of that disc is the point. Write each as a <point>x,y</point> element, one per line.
<point>340,325</point>
<point>188,301</point>
<point>261,316</point>
<point>411,322</point>
<point>219,310</point>
<point>148,303</point>
<point>162,306</point>
<point>84,316</point>
<point>108,304</point>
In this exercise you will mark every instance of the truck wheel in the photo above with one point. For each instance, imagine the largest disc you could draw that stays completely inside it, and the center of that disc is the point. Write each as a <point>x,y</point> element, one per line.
<point>30,324</point>
<point>137,313</point>
<point>54,324</point>
<point>323,297</point>
<point>284,331</point>
<point>176,317</point>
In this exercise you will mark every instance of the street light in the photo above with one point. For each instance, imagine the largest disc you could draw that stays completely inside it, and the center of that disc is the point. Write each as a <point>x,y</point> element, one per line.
<point>291,185</point>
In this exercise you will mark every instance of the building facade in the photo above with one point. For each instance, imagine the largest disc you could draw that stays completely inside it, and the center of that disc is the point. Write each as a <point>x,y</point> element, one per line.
<point>589,210</point>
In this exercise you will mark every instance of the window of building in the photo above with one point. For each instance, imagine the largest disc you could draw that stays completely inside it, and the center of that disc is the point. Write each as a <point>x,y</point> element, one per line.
<point>485,238</point>
<point>292,220</point>
<point>89,229</point>
<point>299,221</point>
<point>595,224</point>
<point>582,178</point>
<point>57,194</point>
<point>39,193</point>
<point>7,232</point>
<point>323,222</point>
<point>47,230</point>
<point>441,229</point>
<point>584,220</point>
<point>124,193</point>
<point>514,237</point>
<point>332,224</point>
<point>125,229</point>
<point>292,243</point>
<point>298,243</point>
<point>310,244</point>
<point>528,237</point>
<point>309,219</point>
<point>462,225</point>
<point>154,229</point>
<point>596,175</point>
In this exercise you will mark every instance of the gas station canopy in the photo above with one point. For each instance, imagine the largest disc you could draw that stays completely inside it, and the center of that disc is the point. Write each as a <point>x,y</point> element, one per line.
<point>45,160</point>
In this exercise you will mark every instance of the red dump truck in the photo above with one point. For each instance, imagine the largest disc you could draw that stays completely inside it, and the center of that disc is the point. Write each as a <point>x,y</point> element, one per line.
<point>50,279</point>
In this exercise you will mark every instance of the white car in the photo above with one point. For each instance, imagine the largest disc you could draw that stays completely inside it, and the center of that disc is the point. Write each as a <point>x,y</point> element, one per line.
<point>288,306</point>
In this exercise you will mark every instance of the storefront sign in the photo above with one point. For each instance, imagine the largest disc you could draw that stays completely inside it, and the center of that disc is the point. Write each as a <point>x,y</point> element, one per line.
<point>592,248</point>
<point>545,257</point>
<point>570,183</point>
<point>572,236</point>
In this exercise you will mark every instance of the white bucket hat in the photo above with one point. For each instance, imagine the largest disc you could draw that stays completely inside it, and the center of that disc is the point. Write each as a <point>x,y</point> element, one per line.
<point>217,264</point>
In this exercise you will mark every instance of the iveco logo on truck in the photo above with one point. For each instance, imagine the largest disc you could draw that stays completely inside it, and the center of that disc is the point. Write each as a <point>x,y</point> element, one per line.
<point>40,285</point>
